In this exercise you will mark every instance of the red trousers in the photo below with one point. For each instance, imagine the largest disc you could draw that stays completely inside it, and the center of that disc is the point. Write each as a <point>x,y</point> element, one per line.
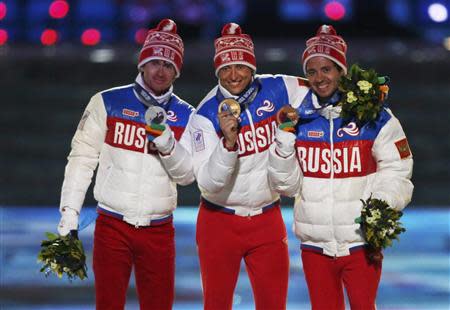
<point>224,240</point>
<point>327,276</point>
<point>119,247</point>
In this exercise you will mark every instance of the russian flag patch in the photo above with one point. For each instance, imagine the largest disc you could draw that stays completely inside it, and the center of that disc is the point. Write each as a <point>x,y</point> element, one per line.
<point>403,148</point>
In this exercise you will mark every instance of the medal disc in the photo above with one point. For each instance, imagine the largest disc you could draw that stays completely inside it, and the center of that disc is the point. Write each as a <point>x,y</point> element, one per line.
<point>230,105</point>
<point>155,115</point>
<point>287,114</point>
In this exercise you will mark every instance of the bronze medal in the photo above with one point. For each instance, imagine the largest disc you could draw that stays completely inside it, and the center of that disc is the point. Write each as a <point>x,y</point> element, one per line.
<point>287,114</point>
<point>230,105</point>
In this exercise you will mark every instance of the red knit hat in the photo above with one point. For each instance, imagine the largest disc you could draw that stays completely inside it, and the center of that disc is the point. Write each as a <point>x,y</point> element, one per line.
<point>234,47</point>
<point>327,44</point>
<point>163,43</point>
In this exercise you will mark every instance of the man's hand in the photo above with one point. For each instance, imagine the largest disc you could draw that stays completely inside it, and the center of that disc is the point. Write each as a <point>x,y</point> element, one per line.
<point>165,141</point>
<point>68,221</point>
<point>154,130</point>
<point>285,142</point>
<point>288,126</point>
<point>229,126</point>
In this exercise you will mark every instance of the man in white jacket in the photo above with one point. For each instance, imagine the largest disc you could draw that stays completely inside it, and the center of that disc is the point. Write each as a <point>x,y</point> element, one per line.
<point>138,170</point>
<point>336,164</point>
<point>239,217</point>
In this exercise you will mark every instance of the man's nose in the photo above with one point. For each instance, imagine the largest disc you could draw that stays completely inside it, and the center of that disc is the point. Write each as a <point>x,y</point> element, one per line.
<point>160,69</point>
<point>319,77</point>
<point>233,74</point>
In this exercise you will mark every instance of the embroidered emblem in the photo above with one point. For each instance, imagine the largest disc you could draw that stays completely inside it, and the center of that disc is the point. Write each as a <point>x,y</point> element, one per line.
<point>158,51</point>
<point>351,129</point>
<point>199,142</point>
<point>403,148</point>
<point>267,107</point>
<point>225,57</point>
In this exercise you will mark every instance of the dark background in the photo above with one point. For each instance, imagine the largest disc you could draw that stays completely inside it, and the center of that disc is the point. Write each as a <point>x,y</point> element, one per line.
<point>44,89</point>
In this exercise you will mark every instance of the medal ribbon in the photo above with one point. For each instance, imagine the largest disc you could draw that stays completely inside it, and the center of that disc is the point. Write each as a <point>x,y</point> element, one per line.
<point>247,96</point>
<point>145,96</point>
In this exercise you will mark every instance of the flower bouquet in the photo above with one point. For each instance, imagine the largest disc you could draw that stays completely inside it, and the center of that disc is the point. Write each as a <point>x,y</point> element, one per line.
<point>63,254</point>
<point>363,93</point>
<point>380,226</point>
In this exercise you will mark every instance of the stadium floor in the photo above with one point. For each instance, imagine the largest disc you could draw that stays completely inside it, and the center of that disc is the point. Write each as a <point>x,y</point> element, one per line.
<point>416,271</point>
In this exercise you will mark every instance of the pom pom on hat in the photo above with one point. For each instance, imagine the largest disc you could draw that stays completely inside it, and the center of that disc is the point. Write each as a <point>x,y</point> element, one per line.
<point>327,44</point>
<point>234,47</point>
<point>163,43</point>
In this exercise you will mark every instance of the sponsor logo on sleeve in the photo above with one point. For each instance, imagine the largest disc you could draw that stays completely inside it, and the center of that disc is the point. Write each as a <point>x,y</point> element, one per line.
<point>199,142</point>
<point>403,148</point>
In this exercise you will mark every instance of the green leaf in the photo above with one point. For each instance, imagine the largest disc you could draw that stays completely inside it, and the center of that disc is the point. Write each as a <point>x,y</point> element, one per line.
<point>368,106</point>
<point>67,253</point>
<point>388,223</point>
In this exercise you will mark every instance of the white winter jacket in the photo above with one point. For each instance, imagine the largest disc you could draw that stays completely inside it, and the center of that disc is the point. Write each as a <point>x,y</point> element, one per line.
<point>133,179</point>
<point>238,179</point>
<point>341,164</point>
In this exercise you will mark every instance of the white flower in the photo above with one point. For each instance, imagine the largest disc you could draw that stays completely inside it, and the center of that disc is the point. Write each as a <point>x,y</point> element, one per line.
<point>376,214</point>
<point>351,97</point>
<point>371,220</point>
<point>364,85</point>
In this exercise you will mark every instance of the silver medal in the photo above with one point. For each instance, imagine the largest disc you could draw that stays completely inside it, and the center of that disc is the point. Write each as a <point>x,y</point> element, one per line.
<point>155,115</point>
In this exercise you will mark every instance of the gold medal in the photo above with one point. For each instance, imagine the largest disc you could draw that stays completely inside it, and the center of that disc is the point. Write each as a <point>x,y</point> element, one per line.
<point>230,105</point>
<point>287,114</point>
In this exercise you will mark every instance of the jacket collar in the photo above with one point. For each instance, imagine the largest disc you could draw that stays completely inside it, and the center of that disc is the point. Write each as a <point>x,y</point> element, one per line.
<point>162,99</point>
<point>311,108</point>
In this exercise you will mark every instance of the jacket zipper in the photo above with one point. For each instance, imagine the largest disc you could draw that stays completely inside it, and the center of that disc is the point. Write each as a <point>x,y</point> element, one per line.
<point>330,118</point>
<point>252,126</point>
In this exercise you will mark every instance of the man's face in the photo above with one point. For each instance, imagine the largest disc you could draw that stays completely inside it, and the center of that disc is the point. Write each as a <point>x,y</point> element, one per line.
<point>158,75</point>
<point>235,78</point>
<point>323,76</point>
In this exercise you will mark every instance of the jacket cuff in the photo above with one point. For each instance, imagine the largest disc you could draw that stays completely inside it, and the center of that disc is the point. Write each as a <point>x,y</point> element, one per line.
<point>279,162</point>
<point>233,149</point>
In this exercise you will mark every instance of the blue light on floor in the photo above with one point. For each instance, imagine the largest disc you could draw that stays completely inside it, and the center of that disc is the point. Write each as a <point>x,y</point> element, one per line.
<point>416,271</point>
